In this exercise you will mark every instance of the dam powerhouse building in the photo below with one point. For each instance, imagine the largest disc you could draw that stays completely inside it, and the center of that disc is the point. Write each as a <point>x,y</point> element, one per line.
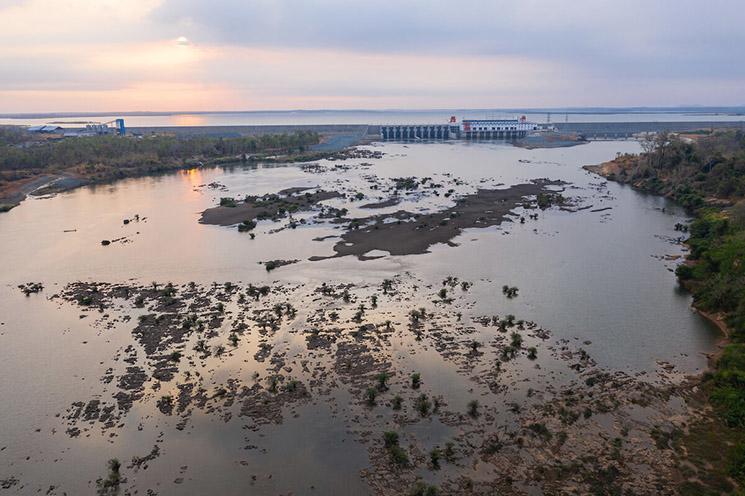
<point>468,129</point>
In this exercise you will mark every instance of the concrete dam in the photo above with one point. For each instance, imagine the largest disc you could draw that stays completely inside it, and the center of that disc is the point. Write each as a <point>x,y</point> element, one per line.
<point>417,131</point>
<point>339,136</point>
<point>589,130</point>
<point>468,129</point>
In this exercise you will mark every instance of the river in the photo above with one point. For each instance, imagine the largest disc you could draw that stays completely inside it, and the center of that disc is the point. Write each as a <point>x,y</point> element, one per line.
<point>597,275</point>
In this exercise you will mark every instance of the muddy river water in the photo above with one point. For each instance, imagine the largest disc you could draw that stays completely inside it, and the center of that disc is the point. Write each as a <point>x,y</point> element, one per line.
<point>204,387</point>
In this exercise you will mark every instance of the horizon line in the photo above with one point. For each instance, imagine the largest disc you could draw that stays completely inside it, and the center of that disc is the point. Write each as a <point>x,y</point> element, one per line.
<point>570,109</point>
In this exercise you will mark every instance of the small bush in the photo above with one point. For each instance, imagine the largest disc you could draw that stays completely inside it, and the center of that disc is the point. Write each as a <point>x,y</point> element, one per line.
<point>473,408</point>
<point>370,395</point>
<point>422,489</point>
<point>397,454</point>
<point>423,405</point>
<point>416,380</point>
<point>246,225</point>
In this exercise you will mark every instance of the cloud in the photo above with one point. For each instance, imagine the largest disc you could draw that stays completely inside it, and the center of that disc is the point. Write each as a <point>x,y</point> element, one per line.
<point>261,54</point>
<point>641,37</point>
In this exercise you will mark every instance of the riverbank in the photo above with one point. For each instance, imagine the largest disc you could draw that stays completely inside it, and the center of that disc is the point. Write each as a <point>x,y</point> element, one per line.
<point>14,192</point>
<point>711,189</point>
<point>30,164</point>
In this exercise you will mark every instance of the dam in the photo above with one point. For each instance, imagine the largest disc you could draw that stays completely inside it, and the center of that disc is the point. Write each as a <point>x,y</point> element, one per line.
<point>418,132</point>
<point>338,136</point>
<point>468,129</point>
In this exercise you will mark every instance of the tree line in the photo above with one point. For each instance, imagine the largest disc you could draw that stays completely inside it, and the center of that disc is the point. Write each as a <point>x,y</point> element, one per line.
<point>707,176</point>
<point>129,151</point>
<point>690,171</point>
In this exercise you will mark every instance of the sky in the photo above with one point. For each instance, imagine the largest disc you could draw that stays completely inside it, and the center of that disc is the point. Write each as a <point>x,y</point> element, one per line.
<point>199,55</point>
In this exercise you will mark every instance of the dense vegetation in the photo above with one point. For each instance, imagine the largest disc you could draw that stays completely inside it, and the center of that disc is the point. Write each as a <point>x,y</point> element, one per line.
<point>11,135</point>
<point>137,152</point>
<point>688,172</point>
<point>707,176</point>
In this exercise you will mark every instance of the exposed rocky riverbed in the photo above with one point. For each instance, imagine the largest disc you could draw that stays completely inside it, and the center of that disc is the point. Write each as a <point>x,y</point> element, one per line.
<point>251,355</point>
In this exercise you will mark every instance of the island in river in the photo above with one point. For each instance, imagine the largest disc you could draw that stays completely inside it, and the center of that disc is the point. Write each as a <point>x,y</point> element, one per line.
<point>397,233</point>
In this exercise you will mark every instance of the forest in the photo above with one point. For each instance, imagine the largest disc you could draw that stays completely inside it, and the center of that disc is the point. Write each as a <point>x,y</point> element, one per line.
<point>17,151</point>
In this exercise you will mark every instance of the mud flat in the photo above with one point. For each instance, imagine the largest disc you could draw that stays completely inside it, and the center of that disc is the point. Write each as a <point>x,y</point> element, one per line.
<point>406,233</point>
<point>267,206</point>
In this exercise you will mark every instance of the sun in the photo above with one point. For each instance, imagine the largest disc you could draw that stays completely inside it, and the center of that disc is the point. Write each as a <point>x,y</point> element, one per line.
<point>183,41</point>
